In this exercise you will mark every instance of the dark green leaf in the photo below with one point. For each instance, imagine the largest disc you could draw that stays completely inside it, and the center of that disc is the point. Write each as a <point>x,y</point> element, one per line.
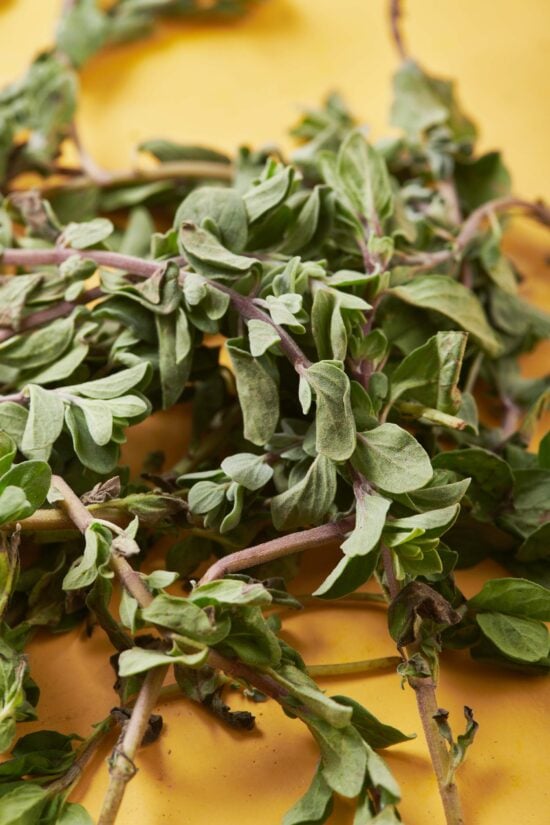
<point>524,639</point>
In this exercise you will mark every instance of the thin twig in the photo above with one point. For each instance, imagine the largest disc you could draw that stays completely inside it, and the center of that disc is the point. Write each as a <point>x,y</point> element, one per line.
<point>121,767</point>
<point>349,668</point>
<point>46,316</point>
<point>85,753</point>
<point>57,256</point>
<point>426,701</point>
<point>170,171</point>
<point>396,15</point>
<point>97,175</point>
<point>427,260</point>
<point>315,538</point>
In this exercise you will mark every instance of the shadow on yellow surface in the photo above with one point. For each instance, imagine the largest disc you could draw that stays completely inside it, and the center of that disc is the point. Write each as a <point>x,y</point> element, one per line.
<point>225,86</point>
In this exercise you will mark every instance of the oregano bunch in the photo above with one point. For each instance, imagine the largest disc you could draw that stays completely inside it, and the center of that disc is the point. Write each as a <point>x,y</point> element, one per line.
<point>331,321</point>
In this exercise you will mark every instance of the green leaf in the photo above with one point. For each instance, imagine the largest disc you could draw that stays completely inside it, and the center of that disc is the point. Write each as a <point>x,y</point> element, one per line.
<point>524,639</point>
<point>261,336</point>
<point>138,660</point>
<point>12,502</point>
<point>102,460</point>
<point>235,494</point>
<point>375,733</point>
<point>205,496</point>
<point>23,805</point>
<point>43,346</point>
<point>432,523</point>
<point>344,756</point>
<point>348,575</point>
<point>258,393</point>
<point>251,639</point>
<point>392,458</point>
<point>303,230</point>
<point>266,195</point>
<point>492,479</point>
<point>174,355</point>
<point>209,257</point>
<point>90,233</point>
<point>335,425</point>
<point>224,207</point>
<point>364,177</point>
<point>536,545</point>
<point>516,597</point>
<point>84,570</point>
<point>454,301</point>
<point>437,494</point>
<point>74,814</point>
<point>482,179</point>
<point>328,326</point>
<point>99,420</point>
<point>114,385</point>
<point>63,368</point>
<point>307,693</point>
<point>44,424</point>
<point>167,150</point>
<point>82,31</point>
<point>422,102</point>
<point>371,511</point>
<point>33,478</point>
<point>13,420</point>
<point>430,373</point>
<point>315,806</point>
<point>185,618</point>
<point>229,592</point>
<point>307,501</point>
<point>7,452</point>
<point>137,234</point>
<point>248,469</point>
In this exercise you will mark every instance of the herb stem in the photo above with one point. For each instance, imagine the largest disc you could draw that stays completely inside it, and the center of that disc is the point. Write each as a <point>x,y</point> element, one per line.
<point>426,701</point>
<point>45,316</point>
<point>474,372</point>
<point>71,505</point>
<point>85,753</point>
<point>57,255</point>
<point>169,171</point>
<point>396,14</point>
<point>248,310</point>
<point>349,668</point>
<point>314,538</point>
<point>428,260</point>
<point>121,767</point>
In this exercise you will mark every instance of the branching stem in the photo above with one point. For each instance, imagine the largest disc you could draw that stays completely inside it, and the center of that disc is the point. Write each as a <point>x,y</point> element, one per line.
<point>426,702</point>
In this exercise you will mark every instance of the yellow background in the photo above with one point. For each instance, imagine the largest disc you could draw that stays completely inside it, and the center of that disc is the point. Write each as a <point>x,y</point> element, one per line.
<point>244,83</point>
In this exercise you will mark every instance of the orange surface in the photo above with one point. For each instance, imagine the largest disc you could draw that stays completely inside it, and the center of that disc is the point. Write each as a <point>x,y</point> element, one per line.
<point>226,86</point>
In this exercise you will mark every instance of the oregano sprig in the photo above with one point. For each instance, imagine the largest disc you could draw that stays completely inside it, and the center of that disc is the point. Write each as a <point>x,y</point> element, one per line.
<point>328,321</point>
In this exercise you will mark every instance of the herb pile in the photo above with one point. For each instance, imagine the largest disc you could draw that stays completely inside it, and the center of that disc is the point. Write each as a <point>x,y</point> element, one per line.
<point>364,303</point>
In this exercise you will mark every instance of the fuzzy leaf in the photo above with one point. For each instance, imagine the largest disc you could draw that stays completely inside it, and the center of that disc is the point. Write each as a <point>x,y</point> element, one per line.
<point>258,393</point>
<point>307,501</point>
<point>451,299</point>
<point>335,425</point>
<point>248,469</point>
<point>392,458</point>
